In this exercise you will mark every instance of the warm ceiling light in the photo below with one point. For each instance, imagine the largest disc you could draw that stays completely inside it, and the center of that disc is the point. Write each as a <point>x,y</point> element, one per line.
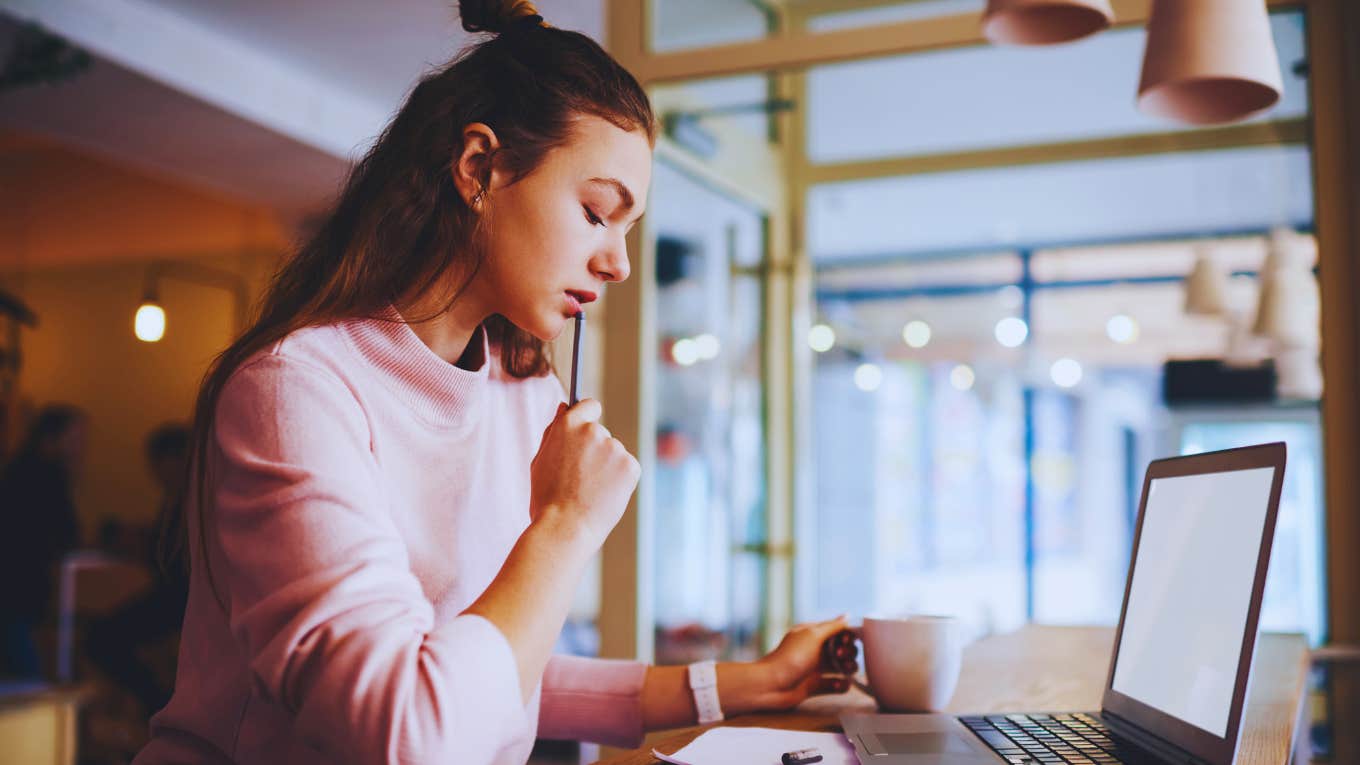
<point>149,323</point>
<point>1043,22</point>
<point>1209,61</point>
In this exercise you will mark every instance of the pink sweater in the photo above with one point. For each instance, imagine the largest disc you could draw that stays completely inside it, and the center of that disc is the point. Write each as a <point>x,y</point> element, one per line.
<point>368,492</point>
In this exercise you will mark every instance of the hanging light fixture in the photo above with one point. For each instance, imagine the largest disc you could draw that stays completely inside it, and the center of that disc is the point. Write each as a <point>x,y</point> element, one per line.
<point>1298,373</point>
<point>1044,22</point>
<point>1206,287</point>
<point>1209,61</point>
<point>149,322</point>
<point>1289,309</point>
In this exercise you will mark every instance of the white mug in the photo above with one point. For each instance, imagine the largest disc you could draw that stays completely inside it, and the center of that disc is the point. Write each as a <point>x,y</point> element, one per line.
<point>912,663</point>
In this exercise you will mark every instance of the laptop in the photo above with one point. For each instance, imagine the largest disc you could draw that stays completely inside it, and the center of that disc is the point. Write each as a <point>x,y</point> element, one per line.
<point>1182,653</point>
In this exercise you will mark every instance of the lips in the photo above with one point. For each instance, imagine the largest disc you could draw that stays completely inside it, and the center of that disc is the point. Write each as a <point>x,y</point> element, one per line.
<point>582,296</point>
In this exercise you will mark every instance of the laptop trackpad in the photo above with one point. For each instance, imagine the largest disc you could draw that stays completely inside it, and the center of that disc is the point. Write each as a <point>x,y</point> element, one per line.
<point>935,742</point>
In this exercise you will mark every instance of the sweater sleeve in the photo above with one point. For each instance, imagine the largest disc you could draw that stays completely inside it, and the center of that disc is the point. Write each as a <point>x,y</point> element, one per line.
<point>597,700</point>
<point>320,593</point>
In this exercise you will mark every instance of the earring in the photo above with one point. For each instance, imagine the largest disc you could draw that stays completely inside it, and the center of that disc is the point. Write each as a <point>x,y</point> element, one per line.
<point>477,198</point>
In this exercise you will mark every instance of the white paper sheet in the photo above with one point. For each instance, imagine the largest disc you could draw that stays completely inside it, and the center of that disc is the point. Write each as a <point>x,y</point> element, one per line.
<point>759,746</point>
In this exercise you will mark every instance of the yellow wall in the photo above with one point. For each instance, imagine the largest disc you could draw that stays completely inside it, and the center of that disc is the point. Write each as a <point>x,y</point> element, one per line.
<point>80,233</point>
<point>60,207</point>
<point>84,353</point>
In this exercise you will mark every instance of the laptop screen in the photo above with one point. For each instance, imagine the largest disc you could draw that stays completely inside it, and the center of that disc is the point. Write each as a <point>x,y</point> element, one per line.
<point>1191,592</point>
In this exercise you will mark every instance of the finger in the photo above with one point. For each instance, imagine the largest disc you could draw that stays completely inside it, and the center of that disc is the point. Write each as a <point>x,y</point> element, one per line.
<point>828,629</point>
<point>841,660</point>
<point>585,410</point>
<point>830,684</point>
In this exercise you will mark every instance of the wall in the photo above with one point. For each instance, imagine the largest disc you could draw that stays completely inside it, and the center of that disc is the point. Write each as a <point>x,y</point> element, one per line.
<point>78,235</point>
<point>84,353</point>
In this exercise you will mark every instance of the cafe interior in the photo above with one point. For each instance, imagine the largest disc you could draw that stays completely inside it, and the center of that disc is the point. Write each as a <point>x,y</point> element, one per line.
<point>921,291</point>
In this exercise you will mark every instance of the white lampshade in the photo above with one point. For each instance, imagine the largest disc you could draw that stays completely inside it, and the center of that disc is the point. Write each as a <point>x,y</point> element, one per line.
<point>1243,348</point>
<point>1209,61</point>
<point>1298,373</point>
<point>1206,288</point>
<point>1289,309</point>
<point>1043,22</point>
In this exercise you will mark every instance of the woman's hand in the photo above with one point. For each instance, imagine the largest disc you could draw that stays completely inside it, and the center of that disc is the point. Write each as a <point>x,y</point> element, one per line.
<point>581,476</point>
<point>781,680</point>
<point>794,671</point>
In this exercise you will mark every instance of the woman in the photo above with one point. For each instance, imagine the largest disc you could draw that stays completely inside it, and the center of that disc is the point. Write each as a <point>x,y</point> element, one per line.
<point>388,537</point>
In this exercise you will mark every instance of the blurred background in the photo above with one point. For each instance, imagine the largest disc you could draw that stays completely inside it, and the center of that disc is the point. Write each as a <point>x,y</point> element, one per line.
<point>912,311</point>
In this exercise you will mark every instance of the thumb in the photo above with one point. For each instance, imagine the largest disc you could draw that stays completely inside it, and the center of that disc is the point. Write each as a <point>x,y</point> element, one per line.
<point>825,630</point>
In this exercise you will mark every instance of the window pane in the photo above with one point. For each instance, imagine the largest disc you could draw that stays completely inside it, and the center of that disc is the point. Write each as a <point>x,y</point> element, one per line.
<point>920,492</point>
<point>710,466</point>
<point>1293,599</point>
<point>988,96</point>
<point>1098,201</point>
<point>714,107</point>
<point>888,13</point>
<point>920,466</point>
<point>680,24</point>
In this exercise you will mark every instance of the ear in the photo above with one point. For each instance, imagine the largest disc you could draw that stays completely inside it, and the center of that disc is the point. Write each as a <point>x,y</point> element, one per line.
<point>472,169</point>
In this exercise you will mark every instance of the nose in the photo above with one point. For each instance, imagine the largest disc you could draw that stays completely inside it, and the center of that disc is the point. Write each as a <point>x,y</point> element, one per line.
<point>611,264</point>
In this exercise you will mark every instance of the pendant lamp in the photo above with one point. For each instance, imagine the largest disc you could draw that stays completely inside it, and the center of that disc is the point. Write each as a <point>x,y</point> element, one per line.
<point>1206,288</point>
<point>1209,61</point>
<point>1289,308</point>
<point>1043,22</point>
<point>1298,373</point>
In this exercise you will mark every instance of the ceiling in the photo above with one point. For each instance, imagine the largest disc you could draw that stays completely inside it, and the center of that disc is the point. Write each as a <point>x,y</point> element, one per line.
<point>268,101</point>
<point>377,49</point>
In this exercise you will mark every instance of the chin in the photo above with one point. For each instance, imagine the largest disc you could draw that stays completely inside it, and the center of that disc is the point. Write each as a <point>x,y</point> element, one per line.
<point>543,325</point>
<point>545,328</point>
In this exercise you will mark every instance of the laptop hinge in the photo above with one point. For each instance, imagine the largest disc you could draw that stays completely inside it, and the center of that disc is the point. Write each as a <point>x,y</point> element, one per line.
<point>1142,739</point>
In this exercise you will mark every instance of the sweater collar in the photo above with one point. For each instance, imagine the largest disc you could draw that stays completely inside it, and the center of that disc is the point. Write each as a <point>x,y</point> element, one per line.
<point>442,393</point>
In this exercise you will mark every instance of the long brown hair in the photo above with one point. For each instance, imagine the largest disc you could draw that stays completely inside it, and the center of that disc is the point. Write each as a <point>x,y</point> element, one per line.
<point>400,227</point>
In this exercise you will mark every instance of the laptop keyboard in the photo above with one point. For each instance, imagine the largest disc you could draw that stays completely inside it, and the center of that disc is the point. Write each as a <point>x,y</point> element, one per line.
<point>1074,738</point>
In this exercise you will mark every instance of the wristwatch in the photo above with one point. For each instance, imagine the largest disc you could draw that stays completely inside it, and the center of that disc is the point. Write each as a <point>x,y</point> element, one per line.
<point>703,682</point>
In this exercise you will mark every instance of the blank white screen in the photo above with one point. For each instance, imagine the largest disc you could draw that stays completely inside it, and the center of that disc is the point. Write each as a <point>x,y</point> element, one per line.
<point>1191,591</point>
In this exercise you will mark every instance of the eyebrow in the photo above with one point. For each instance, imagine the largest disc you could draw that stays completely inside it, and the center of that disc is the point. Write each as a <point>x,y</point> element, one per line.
<point>624,193</point>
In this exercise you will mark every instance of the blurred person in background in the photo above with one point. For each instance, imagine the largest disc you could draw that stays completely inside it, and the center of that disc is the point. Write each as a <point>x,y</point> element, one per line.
<point>116,642</point>
<point>38,526</point>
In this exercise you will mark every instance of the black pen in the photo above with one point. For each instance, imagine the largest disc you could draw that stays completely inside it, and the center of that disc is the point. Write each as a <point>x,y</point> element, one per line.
<point>801,757</point>
<point>576,356</point>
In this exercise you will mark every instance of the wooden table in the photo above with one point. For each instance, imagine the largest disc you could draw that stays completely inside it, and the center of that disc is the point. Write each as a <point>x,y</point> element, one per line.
<point>1056,669</point>
<point>38,723</point>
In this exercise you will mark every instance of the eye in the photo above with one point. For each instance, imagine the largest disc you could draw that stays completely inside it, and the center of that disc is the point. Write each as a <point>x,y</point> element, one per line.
<point>591,216</point>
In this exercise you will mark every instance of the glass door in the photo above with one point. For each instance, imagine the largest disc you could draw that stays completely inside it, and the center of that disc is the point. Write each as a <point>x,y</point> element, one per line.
<point>709,478</point>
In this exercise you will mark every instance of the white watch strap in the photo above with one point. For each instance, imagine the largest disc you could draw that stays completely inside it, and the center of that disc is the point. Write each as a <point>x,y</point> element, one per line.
<point>703,681</point>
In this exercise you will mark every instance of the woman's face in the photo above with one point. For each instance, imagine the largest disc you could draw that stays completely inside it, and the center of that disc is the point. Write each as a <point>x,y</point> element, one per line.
<point>556,236</point>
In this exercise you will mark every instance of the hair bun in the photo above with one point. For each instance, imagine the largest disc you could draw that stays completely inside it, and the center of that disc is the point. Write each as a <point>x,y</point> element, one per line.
<point>496,16</point>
